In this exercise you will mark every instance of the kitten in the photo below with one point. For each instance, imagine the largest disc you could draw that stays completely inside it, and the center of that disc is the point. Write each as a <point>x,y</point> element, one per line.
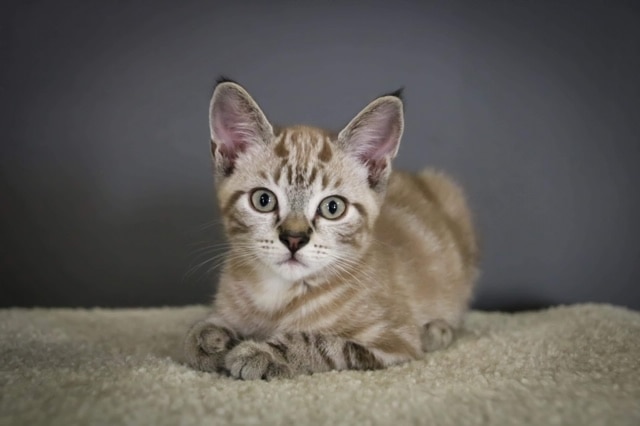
<point>335,262</point>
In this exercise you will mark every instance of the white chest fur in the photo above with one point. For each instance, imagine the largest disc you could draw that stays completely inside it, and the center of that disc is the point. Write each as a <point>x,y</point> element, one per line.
<point>272,293</point>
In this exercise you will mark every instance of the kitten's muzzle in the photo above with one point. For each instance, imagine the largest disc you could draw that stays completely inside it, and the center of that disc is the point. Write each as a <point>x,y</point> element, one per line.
<point>294,241</point>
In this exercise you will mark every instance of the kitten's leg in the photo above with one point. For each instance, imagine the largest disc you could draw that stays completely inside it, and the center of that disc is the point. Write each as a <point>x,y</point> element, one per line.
<point>435,335</point>
<point>292,354</point>
<point>207,344</point>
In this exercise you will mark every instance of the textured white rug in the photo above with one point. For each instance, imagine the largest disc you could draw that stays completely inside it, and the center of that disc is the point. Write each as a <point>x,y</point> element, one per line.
<point>577,365</point>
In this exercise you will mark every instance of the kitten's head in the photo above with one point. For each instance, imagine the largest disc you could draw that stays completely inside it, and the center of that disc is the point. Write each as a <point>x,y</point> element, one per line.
<point>300,200</point>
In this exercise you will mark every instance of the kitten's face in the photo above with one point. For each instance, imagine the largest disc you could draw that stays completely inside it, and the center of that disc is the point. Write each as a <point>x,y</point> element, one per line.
<point>300,201</point>
<point>299,204</point>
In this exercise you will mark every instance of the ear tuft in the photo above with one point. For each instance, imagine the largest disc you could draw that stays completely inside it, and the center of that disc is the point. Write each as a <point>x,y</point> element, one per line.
<point>224,79</point>
<point>236,122</point>
<point>397,94</point>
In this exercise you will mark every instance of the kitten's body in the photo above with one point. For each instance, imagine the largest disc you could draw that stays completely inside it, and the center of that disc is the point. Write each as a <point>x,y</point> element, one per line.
<point>381,284</point>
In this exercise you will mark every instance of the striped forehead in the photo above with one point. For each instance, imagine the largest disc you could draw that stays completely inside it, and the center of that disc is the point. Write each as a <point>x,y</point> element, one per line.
<point>304,144</point>
<point>304,153</point>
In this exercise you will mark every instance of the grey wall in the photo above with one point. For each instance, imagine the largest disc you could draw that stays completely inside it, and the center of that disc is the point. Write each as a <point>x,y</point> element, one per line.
<point>105,183</point>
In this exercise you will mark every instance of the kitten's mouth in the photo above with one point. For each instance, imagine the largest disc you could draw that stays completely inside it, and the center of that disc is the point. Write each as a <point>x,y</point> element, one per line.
<point>292,261</point>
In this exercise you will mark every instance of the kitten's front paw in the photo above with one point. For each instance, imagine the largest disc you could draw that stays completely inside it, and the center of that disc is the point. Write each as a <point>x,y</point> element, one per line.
<point>436,334</point>
<point>256,360</point>
<point>206,346</point>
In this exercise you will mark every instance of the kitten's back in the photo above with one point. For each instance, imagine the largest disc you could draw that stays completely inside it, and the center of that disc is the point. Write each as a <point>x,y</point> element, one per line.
<point>425,235</point>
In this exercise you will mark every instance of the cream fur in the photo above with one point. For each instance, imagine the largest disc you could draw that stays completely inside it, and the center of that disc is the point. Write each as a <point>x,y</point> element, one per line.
<point>404,251</point>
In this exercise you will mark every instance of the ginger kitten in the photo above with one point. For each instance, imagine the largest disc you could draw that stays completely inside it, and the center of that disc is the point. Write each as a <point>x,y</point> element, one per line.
<point>336,262</point>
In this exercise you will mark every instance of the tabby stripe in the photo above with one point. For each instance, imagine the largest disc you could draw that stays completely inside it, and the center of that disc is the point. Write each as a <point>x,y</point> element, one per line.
<point>232,342</point>
<point>426,190</point>
<point>322,307</point>
<point>350,238</point>
<point>289,174</point>
<point>234,223</point>
<point>390,342</point>
<point>313,294</point>
<point>320,344</point>
<point>363,358</point>
<point>325,181</point>
<point>362,211</point>
<point>326,153</point>
<point>237,226</point>
<point>467,252</point>
<point>347,299</point>
<point>312,177</point>
<point>281,348</point>
<point>281,150</point>
<point>232,201</point>
<point>293,137</point>
<point>346,353</point>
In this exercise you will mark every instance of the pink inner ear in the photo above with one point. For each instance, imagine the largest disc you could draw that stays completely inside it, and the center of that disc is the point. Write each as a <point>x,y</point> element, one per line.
<point>378,135</point>
<point>231,136</point>
<point>376,146</point>
<point>234,125</point>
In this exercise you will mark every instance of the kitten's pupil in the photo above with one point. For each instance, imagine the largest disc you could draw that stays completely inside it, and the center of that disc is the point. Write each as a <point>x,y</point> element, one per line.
<point>264,199</point>
<point>333,207</point>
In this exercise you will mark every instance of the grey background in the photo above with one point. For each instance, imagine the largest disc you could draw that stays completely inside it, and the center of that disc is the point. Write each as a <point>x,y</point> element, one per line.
<point>106,195</point>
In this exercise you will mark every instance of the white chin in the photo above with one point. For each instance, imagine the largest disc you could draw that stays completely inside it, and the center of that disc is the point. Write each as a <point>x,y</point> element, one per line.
<point>292,270</point>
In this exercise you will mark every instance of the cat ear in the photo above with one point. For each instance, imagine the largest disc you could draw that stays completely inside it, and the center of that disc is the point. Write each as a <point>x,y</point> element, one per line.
<point>236,122</point>
<point>373,136</point>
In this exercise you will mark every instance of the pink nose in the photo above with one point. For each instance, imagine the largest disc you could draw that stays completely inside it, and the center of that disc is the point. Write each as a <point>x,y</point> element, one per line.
<point>294,242</point>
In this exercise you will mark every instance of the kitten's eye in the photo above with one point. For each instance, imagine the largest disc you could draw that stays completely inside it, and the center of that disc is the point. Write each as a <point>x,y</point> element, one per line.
<point>332,207</point>
<point>264,200</point>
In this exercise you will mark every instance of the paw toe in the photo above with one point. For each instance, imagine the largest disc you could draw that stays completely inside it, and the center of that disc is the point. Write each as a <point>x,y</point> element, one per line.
<point>213,339</point>
<point>205,346</point>
<point>436,334</point>
<point>248,361</point>
<point>277,371</point>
